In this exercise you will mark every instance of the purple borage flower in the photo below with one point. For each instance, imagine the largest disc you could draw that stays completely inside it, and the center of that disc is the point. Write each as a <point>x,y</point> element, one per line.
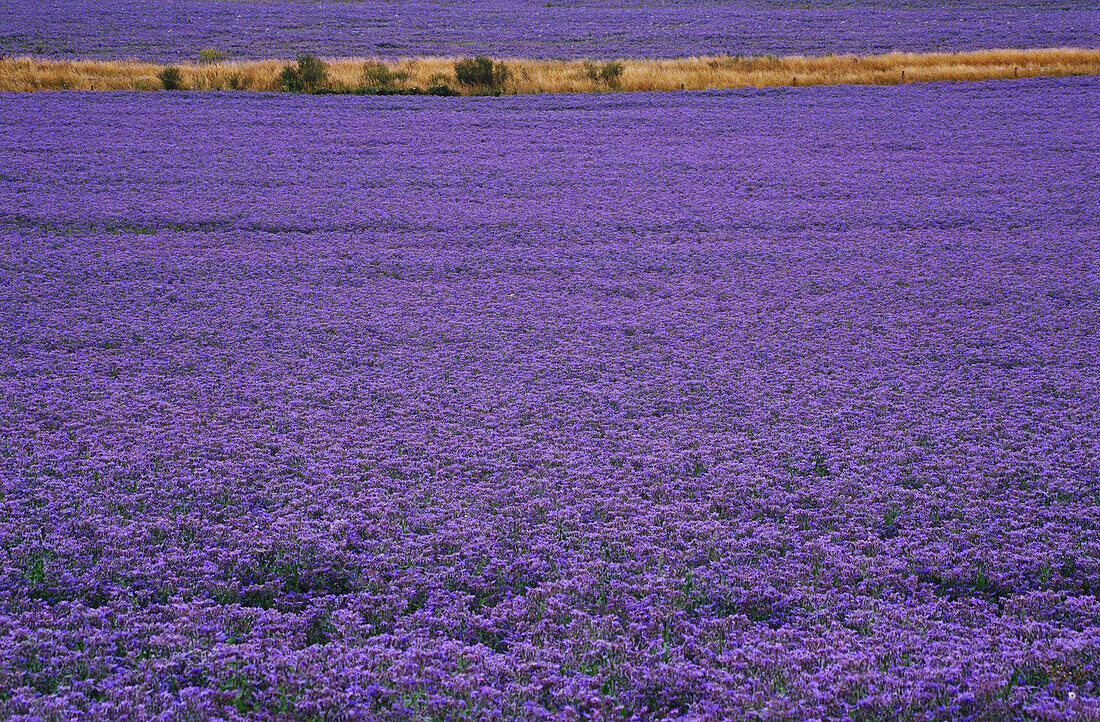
<point>774,404</point>
<point>170,32</point>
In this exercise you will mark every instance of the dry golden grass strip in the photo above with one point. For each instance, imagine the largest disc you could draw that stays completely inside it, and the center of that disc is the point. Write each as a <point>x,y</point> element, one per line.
<point>557,76</point>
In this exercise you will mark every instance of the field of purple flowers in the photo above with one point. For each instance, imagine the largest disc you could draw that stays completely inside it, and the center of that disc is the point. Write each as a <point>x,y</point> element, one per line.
<point>767,403</point>
<point>175,31</point>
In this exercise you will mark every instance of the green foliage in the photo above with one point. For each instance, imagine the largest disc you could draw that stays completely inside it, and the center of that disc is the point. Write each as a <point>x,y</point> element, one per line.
<point>288,79</point>
<point>609,73</point>
<point>36,564</point>
<point>307,76</point>
<point>442,89</point>
<point>482,73</point>
<point>171,78</point>
<point>212,55</point>
<point>439,84</point>
<point>312,71</point>
<point>379,75</point>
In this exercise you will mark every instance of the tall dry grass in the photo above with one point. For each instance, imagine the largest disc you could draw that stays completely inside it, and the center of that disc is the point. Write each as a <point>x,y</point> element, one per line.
<point>557,76</point>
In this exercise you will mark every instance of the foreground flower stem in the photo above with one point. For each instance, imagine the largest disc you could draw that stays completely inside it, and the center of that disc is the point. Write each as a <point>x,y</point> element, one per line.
<point>563,76</point>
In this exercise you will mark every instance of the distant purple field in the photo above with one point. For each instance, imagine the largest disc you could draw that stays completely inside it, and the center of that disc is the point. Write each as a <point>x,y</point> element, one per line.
<point>174,31</point>
<point>772,404</point>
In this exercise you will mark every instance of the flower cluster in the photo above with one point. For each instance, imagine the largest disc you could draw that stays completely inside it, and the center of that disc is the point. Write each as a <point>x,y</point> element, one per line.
<point>772,404</point>
<point>169,32</point>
